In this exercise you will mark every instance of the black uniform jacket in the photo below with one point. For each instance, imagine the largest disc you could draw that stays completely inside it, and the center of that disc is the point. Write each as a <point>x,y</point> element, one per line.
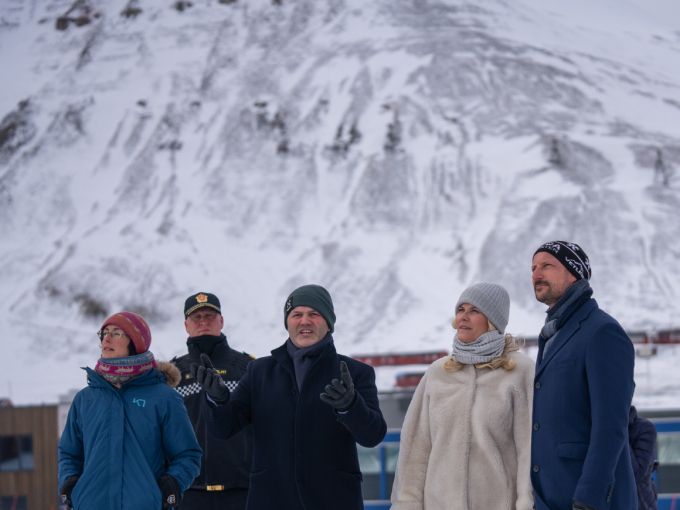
<point>305,452</point>
<point>226,463</point>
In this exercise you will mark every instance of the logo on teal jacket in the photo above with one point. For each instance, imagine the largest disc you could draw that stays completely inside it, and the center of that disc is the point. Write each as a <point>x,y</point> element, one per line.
<point>139,401</point>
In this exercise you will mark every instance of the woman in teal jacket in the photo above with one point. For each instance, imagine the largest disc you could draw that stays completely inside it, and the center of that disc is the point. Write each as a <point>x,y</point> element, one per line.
<point>128,442</point>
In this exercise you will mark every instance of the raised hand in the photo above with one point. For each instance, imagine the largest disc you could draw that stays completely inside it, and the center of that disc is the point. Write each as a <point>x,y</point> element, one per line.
<point>340,394</point>
<point>210,381</point>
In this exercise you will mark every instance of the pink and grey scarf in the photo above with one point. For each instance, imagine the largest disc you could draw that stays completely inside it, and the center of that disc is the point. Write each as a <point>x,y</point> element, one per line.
<point>118,371</point>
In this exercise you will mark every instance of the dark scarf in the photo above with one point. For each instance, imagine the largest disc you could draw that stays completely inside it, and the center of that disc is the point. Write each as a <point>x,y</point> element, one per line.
<point>205,344</point>
<point>303,358</point>
<point>572,299</point>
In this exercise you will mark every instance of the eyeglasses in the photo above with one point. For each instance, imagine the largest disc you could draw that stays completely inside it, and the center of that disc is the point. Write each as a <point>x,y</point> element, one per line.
<point>115,335</point>
<point>209,316</point>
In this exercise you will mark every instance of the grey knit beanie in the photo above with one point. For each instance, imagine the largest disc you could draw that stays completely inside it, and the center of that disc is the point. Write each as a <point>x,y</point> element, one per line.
<point>491,299</point>
<point>313,296</point>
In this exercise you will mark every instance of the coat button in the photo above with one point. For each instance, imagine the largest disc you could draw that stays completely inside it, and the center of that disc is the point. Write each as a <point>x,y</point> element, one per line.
<point>536,468</point>
<point>536,426</point>
<point>538,384</point>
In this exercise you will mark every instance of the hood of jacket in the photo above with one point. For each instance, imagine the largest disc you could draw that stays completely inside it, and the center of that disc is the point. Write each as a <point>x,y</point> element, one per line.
<point>170,371</point>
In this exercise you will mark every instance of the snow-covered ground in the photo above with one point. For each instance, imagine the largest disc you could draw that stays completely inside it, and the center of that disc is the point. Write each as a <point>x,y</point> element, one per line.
<point>392,151</point>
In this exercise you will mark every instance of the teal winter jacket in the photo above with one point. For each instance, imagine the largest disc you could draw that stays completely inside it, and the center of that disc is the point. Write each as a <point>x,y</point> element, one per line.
<point>120,442</point>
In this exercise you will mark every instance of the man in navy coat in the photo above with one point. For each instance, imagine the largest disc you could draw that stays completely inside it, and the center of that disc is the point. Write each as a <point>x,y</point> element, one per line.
<point>308,406</point>
<point>582,392</point>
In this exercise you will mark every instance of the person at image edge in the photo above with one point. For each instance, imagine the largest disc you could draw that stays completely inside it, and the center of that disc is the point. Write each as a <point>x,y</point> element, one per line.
<point>583,389</point>
<point>128,442</point>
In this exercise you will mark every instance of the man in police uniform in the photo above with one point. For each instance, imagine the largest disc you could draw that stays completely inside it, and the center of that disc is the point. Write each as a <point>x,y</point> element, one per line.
<point>225,466</point>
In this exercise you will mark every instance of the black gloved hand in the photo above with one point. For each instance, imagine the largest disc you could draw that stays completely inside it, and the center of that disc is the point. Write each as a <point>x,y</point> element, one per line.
<point>211,382</point>
<point>66,489</point>
<point>340,394</point>
<point>170,490</point>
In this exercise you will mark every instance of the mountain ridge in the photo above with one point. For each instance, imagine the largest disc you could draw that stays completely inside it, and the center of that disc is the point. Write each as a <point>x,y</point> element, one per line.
<point>394,152</point>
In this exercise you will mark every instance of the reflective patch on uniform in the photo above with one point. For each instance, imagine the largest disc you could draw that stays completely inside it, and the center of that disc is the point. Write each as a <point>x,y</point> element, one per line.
<point>189,389</point>
<point>192,389</point>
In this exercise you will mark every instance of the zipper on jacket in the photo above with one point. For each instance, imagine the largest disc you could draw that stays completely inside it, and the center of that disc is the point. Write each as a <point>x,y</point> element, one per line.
<point>206,435</point>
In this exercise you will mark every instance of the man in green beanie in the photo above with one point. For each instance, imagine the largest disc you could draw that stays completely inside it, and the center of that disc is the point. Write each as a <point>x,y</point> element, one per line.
<point>305,430</point>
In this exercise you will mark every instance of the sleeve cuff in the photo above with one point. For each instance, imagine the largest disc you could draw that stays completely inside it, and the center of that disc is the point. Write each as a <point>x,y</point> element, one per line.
<point>212,401</point>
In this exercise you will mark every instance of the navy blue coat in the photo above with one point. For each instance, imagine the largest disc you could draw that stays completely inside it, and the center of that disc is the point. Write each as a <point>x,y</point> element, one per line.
<point>121,442</point>
<point>304,453</point>
<point>582,394</point>
<point>642,441</point>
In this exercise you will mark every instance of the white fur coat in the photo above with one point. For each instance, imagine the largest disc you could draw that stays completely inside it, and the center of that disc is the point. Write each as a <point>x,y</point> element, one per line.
<point>466,440</point>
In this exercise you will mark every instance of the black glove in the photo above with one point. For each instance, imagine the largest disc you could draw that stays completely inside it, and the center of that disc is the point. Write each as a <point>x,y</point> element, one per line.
<point>575,505</point>
<point>211,382</point>
<point>66,489</point>
<point>170,490</point>
<point>340,394</point>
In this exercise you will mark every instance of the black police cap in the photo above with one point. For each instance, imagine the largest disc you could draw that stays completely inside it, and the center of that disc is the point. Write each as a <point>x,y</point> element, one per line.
<point>201,300</point>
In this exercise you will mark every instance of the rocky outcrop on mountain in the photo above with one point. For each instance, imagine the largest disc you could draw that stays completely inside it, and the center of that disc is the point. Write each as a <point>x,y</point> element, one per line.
<point>394,151</point>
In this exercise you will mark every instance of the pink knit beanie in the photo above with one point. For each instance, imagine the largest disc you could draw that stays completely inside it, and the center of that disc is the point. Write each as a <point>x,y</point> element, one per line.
<point>134,326</point>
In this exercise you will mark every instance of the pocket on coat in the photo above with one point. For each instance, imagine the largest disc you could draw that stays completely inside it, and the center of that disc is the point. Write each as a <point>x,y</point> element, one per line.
<point>565,362</point>
<point>355,474</point>
<point>346,489</point>
<point>260,487</point>
<point>572,450</point>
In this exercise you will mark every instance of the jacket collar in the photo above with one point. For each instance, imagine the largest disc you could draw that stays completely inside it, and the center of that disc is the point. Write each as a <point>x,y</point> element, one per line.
<point>280,354</point>
<point>210,344</point>
<point>568,330</point>
<point>152,376</point>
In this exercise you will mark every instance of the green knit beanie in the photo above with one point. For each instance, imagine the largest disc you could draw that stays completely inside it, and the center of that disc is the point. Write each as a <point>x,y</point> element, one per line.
<point>313,296</point>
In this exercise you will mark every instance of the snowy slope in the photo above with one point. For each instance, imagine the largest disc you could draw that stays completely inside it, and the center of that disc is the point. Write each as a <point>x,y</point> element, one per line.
<point>392,151</point>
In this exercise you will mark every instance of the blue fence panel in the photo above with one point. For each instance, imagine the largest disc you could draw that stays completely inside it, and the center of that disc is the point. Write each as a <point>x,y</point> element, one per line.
<point>668,502</point>
<point>377,505</point>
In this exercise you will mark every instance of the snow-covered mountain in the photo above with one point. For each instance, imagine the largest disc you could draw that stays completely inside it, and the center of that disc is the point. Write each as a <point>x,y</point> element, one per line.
<point>394,151</point>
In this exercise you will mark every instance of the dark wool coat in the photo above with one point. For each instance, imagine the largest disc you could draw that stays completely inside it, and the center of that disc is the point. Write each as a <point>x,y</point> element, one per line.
<point>582,394</point>
<point>121,442</point>
<point>642,440</point>
<point>305,456</point>
<point>224,463</point>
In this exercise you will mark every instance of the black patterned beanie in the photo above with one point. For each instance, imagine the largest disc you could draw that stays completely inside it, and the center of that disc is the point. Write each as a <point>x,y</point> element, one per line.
<point>571,256</point>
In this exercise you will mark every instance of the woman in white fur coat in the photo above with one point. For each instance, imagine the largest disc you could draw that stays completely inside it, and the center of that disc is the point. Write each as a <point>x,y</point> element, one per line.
<point>466,439</point>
